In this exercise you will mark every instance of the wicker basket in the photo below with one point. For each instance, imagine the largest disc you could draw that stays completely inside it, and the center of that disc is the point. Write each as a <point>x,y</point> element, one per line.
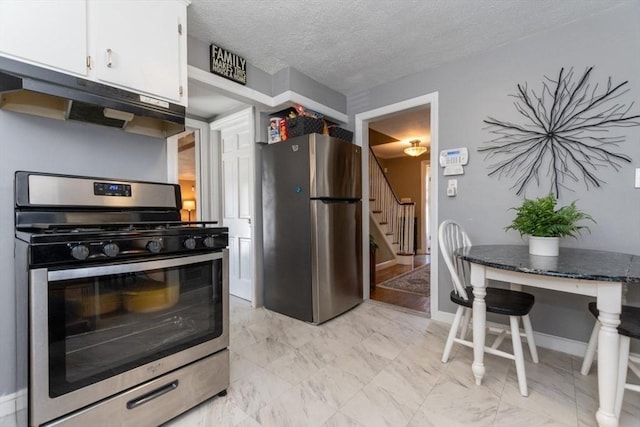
<point>338,132</point>
<point>303,125</point>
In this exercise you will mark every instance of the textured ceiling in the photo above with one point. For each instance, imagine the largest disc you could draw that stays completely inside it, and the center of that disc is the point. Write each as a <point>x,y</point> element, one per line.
<point>353,45</point>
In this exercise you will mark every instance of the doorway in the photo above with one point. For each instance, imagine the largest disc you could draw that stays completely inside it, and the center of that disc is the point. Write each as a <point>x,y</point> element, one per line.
<point>187,152</point>
<point>424,109</point>
<point>214,164</point>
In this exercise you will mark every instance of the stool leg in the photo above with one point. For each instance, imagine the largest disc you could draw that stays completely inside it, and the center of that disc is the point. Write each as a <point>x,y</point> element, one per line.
<point>622,372</point>
<point>452,334</point>
<point>526,322</point>
<point>517,352</point>
<point>465,323</point>
<point>591,350</point>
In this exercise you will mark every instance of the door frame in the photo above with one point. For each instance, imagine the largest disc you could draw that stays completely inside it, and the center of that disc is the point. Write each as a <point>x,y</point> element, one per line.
<point>362,139</point>
<point>206,168</point>
<point>425,206</point>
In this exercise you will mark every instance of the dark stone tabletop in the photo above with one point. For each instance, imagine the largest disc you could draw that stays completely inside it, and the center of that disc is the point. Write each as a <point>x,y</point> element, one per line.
<point>571,263</point>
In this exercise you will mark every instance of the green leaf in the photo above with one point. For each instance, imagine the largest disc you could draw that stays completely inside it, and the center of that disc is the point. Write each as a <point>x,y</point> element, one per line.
<point>540,218</point>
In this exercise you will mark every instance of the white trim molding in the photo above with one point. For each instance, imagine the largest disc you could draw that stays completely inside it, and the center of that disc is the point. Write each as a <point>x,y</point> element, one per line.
<point>252,96</point>
<point>550,342</point>
<point>362,139</point>
<point>12,403</point>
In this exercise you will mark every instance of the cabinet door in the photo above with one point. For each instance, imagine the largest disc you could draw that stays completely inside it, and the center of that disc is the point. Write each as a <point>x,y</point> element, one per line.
<point>47,33</point>
<point>137,45</point>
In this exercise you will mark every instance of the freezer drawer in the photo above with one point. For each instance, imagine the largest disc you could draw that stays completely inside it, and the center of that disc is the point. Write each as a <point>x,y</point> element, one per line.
<point>336,236</point>
<point>159,400</point>
<point>312,166</point>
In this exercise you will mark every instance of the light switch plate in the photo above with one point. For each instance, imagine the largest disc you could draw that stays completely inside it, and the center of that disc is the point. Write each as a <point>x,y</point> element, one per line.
<point>452,187</point>
<point>637,178</point>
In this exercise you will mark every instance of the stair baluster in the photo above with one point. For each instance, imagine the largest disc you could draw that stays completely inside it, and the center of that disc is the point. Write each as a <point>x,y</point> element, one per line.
<point>396,214</point>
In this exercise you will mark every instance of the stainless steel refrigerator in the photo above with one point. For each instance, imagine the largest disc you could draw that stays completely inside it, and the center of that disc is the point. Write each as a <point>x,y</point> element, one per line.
<point>312,222</point>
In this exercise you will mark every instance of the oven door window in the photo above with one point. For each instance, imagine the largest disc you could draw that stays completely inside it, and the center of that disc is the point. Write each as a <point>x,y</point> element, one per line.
<point>104,325</point>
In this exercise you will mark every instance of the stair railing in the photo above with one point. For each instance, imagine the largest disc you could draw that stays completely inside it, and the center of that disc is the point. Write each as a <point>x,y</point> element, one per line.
<point>396,214</point>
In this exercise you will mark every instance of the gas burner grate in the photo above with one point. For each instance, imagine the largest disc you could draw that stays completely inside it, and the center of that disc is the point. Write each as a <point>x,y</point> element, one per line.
<point>116,227</point>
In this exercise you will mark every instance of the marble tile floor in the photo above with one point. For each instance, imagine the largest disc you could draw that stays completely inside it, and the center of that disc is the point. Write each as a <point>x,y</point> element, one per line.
<point>379,366</point>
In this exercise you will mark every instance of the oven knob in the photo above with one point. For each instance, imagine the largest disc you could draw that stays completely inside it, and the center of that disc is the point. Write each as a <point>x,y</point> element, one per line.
<point>154,246</point>
<point>80,252</point>
<point>110,249</point>
<point>190,243</point>
<point>209,242</point>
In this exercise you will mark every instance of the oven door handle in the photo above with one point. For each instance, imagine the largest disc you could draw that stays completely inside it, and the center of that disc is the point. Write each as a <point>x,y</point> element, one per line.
<point>132,267</point>
<point>145,398</point>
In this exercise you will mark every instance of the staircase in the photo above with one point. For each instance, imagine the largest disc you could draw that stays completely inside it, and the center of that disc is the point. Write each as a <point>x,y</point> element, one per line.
<point>393,218</point>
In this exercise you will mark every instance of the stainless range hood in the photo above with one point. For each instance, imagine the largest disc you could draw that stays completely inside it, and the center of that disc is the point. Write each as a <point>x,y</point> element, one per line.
<point>29,89</point>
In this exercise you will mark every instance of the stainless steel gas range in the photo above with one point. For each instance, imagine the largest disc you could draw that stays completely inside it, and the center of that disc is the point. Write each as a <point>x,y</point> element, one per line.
<point>124,308</point>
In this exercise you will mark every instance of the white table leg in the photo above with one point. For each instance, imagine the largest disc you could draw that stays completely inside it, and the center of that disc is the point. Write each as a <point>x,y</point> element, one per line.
<point>478,281</point>
<point>609,302</point>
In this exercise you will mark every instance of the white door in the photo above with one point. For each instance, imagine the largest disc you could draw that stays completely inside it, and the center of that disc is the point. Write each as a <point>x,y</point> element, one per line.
<point>236,145</point>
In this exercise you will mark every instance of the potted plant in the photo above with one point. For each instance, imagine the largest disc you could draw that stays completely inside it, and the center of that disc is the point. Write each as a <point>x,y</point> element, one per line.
<point>545,225</point>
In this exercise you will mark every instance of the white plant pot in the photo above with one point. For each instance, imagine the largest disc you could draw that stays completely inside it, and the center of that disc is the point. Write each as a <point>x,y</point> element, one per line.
<point>544,246</point>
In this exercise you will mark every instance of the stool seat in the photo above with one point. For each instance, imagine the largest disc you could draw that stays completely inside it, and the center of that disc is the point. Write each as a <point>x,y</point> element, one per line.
<point>629,320</point>
<point>499,301</point>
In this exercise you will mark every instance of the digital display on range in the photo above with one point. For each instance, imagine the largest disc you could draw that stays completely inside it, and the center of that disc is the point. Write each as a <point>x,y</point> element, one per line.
<point>111,189</point>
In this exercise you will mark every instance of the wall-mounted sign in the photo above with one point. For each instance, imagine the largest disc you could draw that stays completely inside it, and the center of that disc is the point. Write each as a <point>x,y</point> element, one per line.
<point>227,64</point>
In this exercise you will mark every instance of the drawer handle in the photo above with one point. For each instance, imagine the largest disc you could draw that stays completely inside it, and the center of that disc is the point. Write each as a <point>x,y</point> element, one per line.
<point>145,398</point>
<point>109,58</point>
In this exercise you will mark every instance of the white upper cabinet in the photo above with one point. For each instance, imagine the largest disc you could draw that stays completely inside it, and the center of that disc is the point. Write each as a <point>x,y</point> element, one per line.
<point>45,33</point>
<point>136,45</point>
<point>140,45</point>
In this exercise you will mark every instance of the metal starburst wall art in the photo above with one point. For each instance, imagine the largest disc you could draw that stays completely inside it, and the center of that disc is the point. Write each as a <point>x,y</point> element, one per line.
<point>565,136</point>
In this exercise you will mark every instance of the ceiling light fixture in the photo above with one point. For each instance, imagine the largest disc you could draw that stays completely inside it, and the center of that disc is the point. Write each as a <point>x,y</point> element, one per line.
<point>415,150</point>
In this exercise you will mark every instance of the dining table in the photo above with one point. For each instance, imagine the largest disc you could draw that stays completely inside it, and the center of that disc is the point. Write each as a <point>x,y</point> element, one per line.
<point>595,273</point>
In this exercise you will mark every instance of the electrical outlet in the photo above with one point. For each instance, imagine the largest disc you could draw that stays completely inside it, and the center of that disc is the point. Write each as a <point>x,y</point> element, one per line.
<point>637,178</point>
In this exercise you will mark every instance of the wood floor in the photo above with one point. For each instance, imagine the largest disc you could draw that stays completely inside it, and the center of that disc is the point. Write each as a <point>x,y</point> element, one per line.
<point>402,299</point>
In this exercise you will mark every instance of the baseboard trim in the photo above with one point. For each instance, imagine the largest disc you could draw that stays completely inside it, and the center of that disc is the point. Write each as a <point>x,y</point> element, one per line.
<point>404,259</point>
<point>386,264</point>
<point>551,342</point>
<point>10,403</point>
<point>442,316</point>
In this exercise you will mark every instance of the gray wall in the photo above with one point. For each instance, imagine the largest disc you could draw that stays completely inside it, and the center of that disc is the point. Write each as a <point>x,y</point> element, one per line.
<point>476,87</point>
<point>47,145</point>
<point>292,79</point>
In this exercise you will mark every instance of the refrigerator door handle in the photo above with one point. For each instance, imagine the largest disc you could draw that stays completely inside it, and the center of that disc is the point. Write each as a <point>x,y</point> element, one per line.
<point>330,201</point>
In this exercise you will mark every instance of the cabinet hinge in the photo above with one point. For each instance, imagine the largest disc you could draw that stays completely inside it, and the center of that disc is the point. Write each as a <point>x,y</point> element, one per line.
<point>181,91</point>
<point>180,29</point>
<point>89,62</point>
